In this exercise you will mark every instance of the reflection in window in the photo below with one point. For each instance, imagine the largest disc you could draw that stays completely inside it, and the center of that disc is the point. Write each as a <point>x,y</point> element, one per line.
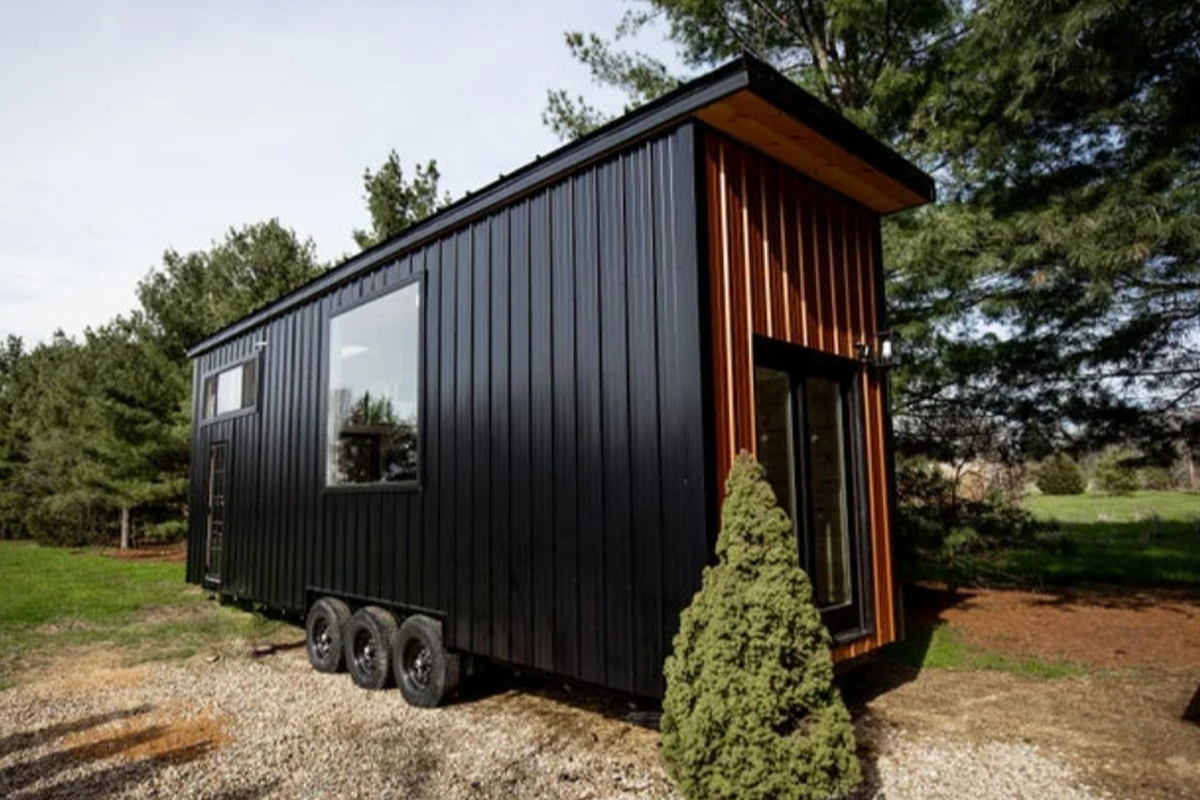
<point>231,390</point>
<point>826,457</point>
<point>773,413</point>
<point>801,442</point>
<point>373,361</point>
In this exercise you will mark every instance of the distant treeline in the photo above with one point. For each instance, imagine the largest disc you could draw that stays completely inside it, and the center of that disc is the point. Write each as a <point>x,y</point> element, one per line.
<point>95,429</point>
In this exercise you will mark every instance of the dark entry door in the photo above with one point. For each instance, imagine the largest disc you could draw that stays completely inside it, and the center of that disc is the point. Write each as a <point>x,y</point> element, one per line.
<point>214,551</point>
<point>808,432</point>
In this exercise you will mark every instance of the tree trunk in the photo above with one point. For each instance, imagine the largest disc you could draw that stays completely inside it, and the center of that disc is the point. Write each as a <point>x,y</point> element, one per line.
<point>125,528</point>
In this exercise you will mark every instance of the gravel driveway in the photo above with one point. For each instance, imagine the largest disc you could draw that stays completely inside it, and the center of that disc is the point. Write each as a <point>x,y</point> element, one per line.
<point>242,728</point>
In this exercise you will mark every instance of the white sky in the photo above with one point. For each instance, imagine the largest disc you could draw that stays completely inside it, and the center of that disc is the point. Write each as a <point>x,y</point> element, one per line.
<point>130,127</point>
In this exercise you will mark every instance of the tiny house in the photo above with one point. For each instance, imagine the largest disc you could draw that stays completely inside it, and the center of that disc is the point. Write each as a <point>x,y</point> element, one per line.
<point>503,434</point>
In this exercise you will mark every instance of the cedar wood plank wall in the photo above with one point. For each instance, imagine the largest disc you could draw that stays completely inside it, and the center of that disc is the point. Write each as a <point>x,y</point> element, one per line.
<point>792,260</point>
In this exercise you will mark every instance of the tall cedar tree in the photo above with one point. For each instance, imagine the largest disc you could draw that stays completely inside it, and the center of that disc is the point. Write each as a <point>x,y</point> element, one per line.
<point>751,710</point>
<point>1054,291</point>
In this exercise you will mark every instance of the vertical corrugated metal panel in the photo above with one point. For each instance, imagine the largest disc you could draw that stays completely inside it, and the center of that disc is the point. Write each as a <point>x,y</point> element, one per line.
<point>520,456</point>
<point>501,441</point>
<point>562,518</point>
<point>588,403</point>
<point>565,631</point>
<point>542,463</point>
<point>792,260</point>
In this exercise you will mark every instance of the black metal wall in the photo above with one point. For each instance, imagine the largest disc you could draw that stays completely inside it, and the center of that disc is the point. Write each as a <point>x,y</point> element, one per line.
<point>563,518</point>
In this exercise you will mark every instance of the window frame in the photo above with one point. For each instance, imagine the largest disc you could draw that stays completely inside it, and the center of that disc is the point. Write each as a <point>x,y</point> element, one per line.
<point>257,358</point>
<point>328,315</point>
<point>854,620</point>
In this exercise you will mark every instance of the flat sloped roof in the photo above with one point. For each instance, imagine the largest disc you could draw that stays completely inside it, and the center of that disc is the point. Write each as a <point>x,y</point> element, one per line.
<point>746,99</point>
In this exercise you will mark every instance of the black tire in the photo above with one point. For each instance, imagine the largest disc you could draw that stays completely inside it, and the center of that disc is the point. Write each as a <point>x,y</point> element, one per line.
<point>426,674</point>
<point>370,641</point>
<point>323,634</point>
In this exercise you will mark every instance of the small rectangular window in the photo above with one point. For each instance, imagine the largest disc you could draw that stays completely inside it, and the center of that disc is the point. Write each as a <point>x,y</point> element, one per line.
<point>373,390</point>
<point>231,390</point>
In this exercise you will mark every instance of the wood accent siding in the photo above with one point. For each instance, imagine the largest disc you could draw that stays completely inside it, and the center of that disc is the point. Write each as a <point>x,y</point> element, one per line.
<point>793,260</point>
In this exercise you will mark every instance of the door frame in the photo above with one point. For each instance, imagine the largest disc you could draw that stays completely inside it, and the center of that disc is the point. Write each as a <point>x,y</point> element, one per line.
<point>855,619</point>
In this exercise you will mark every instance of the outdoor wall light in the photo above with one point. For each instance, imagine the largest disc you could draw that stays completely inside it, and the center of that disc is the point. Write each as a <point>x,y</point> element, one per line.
<point>887,352</point>
<point>882,354</point>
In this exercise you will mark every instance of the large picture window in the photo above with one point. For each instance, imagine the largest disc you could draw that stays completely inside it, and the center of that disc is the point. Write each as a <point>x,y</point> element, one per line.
<point>373,391</point>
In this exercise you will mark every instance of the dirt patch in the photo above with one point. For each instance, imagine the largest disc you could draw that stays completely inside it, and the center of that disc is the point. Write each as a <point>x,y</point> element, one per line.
<point>1153,630</point>
<point>163,734</point>
<point>81,670</point>
<point>1123,733</point>
<point>162,615</point>
<point>176,552</point>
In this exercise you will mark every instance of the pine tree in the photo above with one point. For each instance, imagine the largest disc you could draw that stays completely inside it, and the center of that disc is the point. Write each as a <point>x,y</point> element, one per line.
<point>750,709</point>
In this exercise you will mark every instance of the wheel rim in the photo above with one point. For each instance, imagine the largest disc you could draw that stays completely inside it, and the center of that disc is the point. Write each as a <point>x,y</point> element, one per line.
<point>418,664</point>
<point>322,639</point>
<point>365,652</point>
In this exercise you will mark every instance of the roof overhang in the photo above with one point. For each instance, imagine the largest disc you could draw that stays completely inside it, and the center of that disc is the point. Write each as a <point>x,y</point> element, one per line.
<point>792,126</point>
<point>745,99</point>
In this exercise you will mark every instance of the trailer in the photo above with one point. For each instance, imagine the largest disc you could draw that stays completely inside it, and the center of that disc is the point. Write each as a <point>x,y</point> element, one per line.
<point>503,434</point>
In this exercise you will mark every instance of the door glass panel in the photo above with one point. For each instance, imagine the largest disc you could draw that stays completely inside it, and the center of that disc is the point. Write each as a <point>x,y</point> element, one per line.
<point>216,511</point>
<point>773,421</point>
<point>827,468</point>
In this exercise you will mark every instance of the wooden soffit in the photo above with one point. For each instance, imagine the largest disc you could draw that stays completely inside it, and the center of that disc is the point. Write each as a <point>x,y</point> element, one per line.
<point>755,121</point>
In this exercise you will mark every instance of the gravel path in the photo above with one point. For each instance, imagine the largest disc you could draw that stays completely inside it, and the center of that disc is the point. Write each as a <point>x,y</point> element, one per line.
<point>243,728</point>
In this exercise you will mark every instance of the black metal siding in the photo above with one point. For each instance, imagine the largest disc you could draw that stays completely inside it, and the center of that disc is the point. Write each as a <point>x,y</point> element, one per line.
<point>562,520</point>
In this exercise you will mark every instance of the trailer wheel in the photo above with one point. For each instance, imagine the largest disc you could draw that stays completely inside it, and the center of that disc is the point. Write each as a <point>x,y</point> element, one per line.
<point>425,672</point>
<point>323,631</point>
<point>370,642</point>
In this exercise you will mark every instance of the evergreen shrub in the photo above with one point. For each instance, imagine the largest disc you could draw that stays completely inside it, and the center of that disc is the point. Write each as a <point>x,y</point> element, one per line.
<point>1115,472</point>
<point>942,536</point>
<point>1060,475</point>
<point>751,711</point>
<point>1156,479</point>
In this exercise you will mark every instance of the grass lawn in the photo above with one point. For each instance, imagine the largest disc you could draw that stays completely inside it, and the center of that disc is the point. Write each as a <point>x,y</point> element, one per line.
<point>942,647</point>
<point>1139,539</point>
<point>53,598</point>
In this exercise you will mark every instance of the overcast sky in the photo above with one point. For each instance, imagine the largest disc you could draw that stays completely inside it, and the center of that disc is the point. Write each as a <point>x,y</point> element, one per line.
<point>130,127</point>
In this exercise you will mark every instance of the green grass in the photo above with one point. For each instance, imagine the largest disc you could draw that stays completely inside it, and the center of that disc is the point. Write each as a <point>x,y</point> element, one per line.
<point>1140,539</point>
<point>52,598</point>
<point>940,647</point>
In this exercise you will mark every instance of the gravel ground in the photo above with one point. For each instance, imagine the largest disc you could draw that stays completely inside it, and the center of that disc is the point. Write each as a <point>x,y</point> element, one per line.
<point>242,728</point>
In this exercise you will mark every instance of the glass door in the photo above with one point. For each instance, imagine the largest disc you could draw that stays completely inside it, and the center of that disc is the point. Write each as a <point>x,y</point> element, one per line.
<point>808,421</point>
<point>215,512</point>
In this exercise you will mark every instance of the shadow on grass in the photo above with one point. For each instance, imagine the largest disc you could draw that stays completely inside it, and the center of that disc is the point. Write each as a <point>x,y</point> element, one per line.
<point>1144,553</point>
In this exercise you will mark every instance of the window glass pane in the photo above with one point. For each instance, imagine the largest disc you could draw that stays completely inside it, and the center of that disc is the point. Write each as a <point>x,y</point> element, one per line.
<point>773,421</point>
<point>827,467</point>
<point>210,397</point>
<point>229,390</point>
<point>250,383</point>
<point>372,424</point>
